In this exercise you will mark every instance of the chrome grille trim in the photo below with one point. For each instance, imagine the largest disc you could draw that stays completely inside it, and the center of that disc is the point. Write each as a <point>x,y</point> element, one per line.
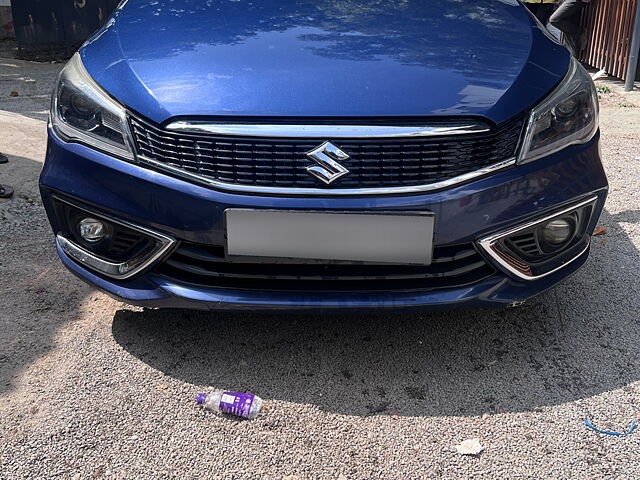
<point>326,131</point>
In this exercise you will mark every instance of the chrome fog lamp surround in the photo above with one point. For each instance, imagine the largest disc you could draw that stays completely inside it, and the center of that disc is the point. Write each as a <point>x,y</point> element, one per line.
<point>118,270</point>
<point>562,253</point>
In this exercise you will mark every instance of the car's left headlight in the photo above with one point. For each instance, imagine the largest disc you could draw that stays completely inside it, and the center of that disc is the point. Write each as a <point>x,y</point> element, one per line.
<point>568,116</point>
<point>83,112</point>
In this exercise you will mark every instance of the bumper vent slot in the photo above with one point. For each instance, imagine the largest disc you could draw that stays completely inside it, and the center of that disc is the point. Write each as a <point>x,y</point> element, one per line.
<point>124,241</point>
<point>205,266</point>
<point>528,244</point>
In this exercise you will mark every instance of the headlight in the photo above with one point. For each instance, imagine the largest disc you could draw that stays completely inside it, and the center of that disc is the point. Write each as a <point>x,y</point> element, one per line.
<point>568,116</point>
<point>84,113</point>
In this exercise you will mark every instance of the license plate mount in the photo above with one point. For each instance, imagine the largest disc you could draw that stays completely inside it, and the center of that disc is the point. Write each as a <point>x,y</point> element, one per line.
<point>302,236</point>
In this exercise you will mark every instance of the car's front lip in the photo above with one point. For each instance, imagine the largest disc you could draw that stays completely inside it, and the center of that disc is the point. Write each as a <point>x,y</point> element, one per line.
<point>157,291</point>
<point>193,213</point>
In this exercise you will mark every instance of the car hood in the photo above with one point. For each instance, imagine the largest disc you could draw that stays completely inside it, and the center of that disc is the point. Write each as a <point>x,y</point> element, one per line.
<point>310,58</point>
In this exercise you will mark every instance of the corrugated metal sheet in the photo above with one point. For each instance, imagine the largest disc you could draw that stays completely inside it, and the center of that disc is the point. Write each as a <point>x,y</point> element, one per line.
<point>610,27</point>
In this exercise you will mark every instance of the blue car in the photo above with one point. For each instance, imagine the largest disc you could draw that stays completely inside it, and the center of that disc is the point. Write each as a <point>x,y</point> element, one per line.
<point>319,155</point>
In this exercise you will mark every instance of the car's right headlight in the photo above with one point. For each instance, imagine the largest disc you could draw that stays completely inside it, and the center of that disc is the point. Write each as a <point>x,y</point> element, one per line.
<point>82,112</point>
<point>568,116</point>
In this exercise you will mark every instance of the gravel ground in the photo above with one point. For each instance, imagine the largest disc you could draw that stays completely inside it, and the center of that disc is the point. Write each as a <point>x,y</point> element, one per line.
<point>92,388</point>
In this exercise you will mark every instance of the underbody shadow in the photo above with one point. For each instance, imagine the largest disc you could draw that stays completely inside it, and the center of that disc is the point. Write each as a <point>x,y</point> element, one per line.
<point>576,341</point>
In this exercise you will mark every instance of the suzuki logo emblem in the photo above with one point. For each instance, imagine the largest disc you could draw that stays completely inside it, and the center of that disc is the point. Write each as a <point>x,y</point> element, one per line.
<point>327,156</point>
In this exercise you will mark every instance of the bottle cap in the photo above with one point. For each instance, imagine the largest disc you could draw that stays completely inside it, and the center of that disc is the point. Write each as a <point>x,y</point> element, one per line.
<point>201,398</point>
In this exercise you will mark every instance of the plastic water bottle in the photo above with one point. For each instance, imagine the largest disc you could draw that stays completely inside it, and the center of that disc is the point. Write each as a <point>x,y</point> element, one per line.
<point>246,405</point>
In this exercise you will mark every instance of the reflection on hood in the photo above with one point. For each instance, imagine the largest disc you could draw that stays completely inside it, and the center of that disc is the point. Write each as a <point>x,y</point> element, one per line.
<point>397,57</point>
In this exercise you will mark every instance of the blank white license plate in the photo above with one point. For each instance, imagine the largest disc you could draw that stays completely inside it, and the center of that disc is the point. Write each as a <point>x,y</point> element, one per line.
<point>352,237</point>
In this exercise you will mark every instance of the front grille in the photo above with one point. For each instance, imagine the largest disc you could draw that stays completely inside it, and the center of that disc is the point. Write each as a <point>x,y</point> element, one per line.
<point>202,265</point>
<point>373,163</point>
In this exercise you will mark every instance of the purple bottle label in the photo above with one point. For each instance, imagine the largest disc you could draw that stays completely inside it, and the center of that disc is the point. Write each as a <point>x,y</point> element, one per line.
<point>238,404</point>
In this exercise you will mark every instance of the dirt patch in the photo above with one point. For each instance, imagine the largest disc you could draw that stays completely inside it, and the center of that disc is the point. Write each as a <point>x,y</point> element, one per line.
<point>610,99</point>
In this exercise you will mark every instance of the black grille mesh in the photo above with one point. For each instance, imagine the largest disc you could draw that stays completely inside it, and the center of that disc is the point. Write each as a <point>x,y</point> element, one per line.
<point>374,163</point>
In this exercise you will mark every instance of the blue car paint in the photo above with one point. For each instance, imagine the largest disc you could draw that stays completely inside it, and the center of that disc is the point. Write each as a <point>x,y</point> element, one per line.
<point>464,214</point>
<point>298,58</point>
<point>194,213</point>
<point>172,59</point>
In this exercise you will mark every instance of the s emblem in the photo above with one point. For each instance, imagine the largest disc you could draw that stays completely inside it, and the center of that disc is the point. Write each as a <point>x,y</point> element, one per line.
<point>327,156</point>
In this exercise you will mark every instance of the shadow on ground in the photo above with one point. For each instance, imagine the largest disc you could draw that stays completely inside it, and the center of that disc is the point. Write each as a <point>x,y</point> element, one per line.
<point>574,342</point>
<point>38,297</point>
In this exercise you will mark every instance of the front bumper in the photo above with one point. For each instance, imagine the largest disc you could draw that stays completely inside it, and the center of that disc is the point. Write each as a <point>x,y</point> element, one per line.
<point>191,213</point>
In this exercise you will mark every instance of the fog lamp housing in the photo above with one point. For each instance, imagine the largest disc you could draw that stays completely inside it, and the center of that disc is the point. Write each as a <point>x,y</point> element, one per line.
<point>113,247</point>
<point>540,247</point>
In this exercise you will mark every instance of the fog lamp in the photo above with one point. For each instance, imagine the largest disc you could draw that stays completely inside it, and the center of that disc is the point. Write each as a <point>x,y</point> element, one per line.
<point>92,230</point>
<point>557,232</point>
